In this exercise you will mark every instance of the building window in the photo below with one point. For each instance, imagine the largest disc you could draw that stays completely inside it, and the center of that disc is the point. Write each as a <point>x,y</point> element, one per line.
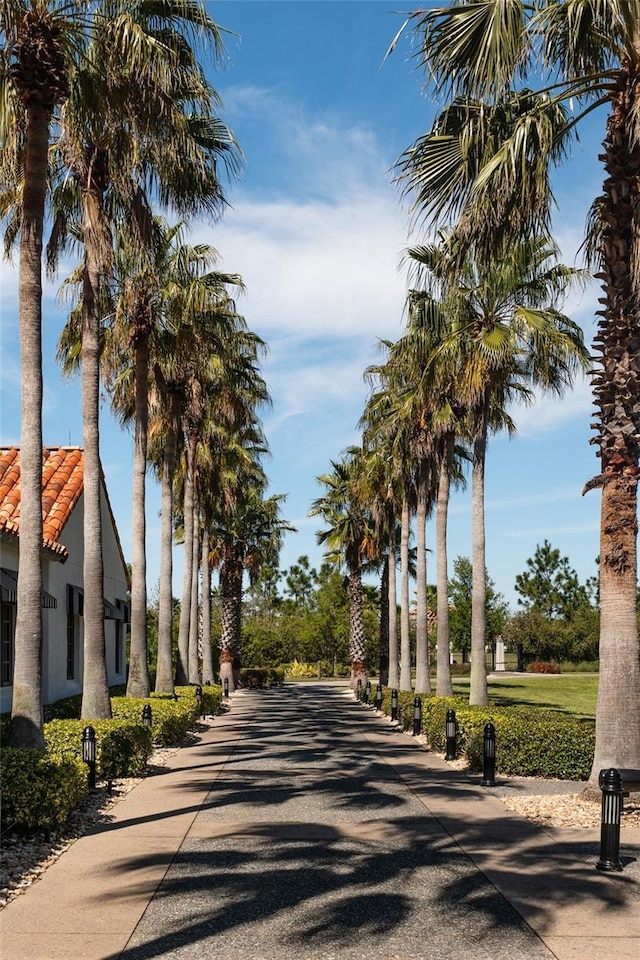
<point>75,609</point>
<point>121,623</point>
<point>7,636</point>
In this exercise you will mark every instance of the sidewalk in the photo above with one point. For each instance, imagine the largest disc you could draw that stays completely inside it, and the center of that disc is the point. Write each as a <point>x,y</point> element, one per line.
<point>302,825</point>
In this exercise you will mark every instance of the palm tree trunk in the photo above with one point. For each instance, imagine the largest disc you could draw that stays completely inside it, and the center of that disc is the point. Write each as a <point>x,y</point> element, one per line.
<point>405,639</point>
<point>95,692</point>
<point>384,624</point>
<point>138,679</point>
<point>423,684</point>
<point>182,674</point>
<point>194,659</point>
<point>164,671</point>
<point>236,586</point>
<point>26,710</point>
<point>393,679</point>
<point>617,711</point>
<point>207,658</point>
<point>478,693</point>
<point>227,617</point>
<point>356,629</point>
<point>616,393</point>
<point>444,687</point>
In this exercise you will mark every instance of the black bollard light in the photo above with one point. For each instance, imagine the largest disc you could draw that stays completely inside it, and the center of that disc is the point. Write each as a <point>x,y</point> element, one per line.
<point>489,759</point>
<point>200,699</point>
<point>207,683</point>
<point>451,730</point>
<point>394,704</point>
<point>89,754</point>
<point>378,697</point>
<point>147,716</point>
<point>174,697</point>
<point>367,692</point>
<point>359,688</point>
<point>417,716</point>
<point>225,686</point>
<point>610,783</point>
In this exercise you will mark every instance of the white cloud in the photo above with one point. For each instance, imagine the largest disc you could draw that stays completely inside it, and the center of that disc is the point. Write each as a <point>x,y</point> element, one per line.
<point>317,269</point>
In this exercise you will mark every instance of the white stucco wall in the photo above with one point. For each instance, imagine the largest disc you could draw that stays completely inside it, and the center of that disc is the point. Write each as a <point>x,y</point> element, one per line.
<point>56,577</point>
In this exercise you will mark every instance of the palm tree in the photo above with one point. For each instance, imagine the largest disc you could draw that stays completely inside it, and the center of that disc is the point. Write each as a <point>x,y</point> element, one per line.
<point>145,127</point>
<point>205,566</point>
<point>384,482</point>
<point>222,426</point>
<point>589,53</point>
<point>350,538</point>
<point>36,41</point>
<point>156,288</point>
<point>248,533</point>
<point>506,335</point>
<point>387,429</point>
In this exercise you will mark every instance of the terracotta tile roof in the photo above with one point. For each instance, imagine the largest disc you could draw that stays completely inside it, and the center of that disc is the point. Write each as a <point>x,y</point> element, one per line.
<point>62,485</point>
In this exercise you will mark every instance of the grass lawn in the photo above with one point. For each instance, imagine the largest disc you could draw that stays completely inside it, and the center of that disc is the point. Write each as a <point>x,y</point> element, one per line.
<point>571,692</point>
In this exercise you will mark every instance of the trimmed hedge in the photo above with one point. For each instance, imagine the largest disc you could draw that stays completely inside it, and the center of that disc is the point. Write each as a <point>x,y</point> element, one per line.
<point>39,790</point>
<point>123,746</point>
<point>530,741</point>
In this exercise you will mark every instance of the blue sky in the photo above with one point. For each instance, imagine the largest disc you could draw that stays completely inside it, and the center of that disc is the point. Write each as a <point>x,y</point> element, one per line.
<point>317,230</point>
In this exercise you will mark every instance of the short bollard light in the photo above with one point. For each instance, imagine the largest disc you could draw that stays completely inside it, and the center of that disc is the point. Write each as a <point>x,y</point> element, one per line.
<point>174,697</point>
<point>451,730</point>
<point>199,698</point>
<point>378,697</point>
<point>147,716</point>
<point>359,688</point>
<point>394,704</point>
<point>489,758</point>
<point>367,692</point>
<point>89,754</point>
<point>225,686</point>
<point>417,716</point>
<point>610,783</point>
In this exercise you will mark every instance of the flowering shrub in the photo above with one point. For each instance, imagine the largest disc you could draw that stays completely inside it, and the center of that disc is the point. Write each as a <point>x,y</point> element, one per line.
<point>540,666</point>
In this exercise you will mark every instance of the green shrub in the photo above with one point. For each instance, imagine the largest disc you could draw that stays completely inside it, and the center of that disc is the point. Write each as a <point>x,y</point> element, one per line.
<point>535,743</point>
<point>123,746</point>
<point>585,666</point>
<point>66,709</point>
<point>262,677</point>
<point>298,671</point>
<point>39,791</point>
<point>460,669</point>
<point>530,741</point>
<point>170,719</point>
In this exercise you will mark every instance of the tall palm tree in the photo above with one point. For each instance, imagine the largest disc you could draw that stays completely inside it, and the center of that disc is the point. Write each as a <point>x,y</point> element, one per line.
<point>587,56</point>
<point>506,336</point>
<point>390,431</point>
<point>139,120</point>
<point>384,481</point>
<point>221,423</point>
<point>350,538</point>
<point>155,288</point>
<point>37,41</point>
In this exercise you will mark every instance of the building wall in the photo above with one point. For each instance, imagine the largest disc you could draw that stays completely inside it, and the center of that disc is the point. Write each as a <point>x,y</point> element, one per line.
<point>56,578</point>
